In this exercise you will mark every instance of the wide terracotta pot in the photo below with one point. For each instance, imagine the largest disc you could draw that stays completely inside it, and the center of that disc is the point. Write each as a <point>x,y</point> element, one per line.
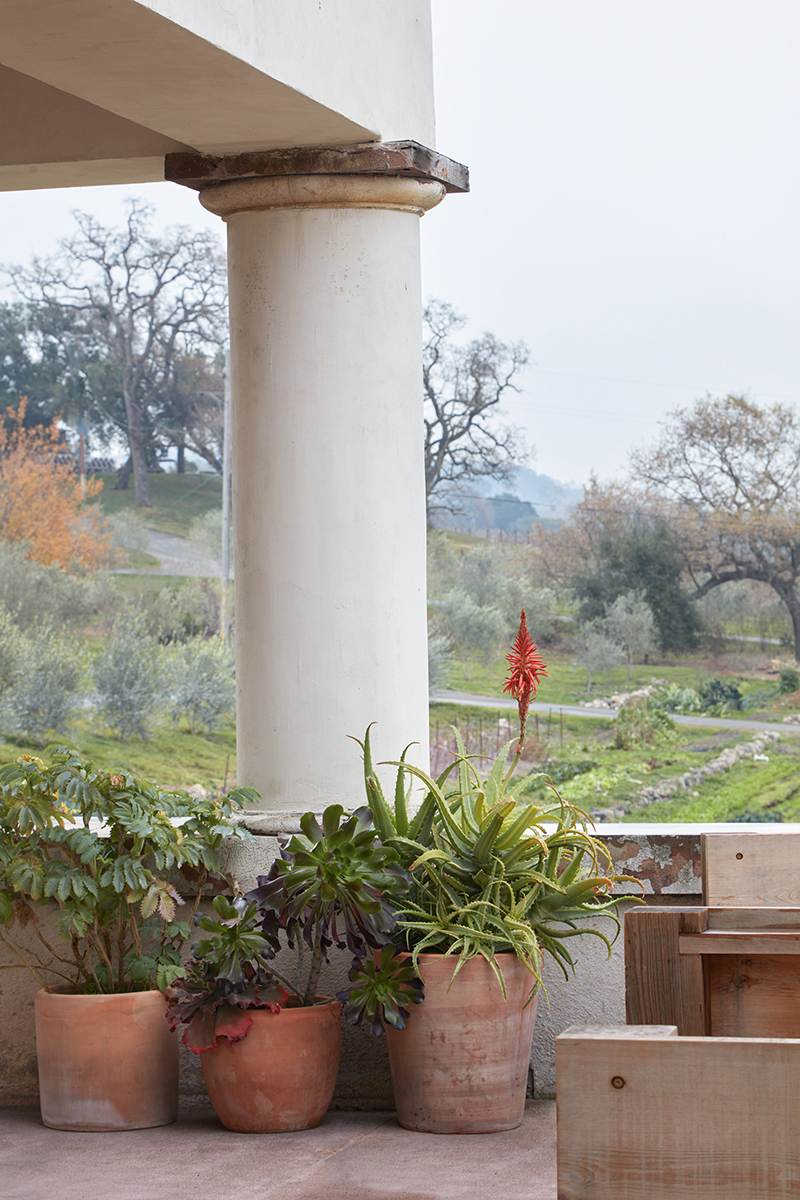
<point>281,1076</point>
<point>105,1062</point>
<point>461,1063</point>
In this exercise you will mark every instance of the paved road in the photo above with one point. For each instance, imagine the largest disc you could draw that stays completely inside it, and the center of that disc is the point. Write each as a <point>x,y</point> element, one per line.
<point>575,710</point>
<point>176,556</point>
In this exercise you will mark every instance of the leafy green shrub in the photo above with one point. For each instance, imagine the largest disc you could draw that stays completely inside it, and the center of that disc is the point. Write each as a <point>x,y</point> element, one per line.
<point>203,684</point>
<point>596,651</point>
<point>675,699</point>
<point>11,652</point>
<point>43,678</point>
<point>788,681</point>
<point>102,845</point>
<point>205,533</point>
<point>639,725</point>
<point>129,530</point>
<point>129,677</point>
<point>722,696</point>
<point>473,630</point>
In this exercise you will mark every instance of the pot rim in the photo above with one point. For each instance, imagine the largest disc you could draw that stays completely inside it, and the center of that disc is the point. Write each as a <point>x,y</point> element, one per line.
<point>65,993</point>
<point>297,1009</point>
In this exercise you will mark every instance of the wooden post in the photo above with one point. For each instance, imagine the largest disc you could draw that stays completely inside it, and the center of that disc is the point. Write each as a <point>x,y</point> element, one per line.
<point>663,986</point>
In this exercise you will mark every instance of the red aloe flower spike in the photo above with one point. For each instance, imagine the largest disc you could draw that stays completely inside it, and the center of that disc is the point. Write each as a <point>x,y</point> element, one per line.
<point>526,670</point>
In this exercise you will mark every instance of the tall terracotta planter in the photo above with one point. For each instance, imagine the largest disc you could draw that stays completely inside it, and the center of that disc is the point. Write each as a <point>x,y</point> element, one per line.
<point>105,1062</point>
<point>281,1076</point>
<point>461,1063</point>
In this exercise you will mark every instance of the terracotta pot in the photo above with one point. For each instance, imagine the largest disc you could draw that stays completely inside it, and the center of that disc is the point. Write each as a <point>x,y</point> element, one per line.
<point>105,1062</point>
<point>281,1076</point>
<point>461,1063</point>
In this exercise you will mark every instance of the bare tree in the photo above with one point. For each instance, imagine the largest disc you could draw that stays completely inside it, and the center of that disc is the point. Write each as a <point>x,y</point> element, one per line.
<point>190,414</point>
<point>144,299</point>
<point>463,387</point>
<point>727,474</point>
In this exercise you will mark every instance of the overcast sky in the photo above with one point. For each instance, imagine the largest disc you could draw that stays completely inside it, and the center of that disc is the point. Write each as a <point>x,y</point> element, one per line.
<point>634,213</point>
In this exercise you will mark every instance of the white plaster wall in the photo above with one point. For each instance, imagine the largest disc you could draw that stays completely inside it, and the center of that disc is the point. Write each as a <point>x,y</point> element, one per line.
<point>329,497</point>
<point>243,75</point>
<point>368,59</point>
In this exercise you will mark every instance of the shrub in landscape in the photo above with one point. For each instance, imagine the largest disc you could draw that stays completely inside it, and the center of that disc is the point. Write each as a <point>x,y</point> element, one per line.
<point>676,699</point>
<point>596,652</point>
<point>722,696</point>
<point>788,681</point>
<point>129,677</point>
<point>34,593</point>
<point>203,684</point>
<point>43,675</point>
<point>440,661</point>
<point>639,725</point>
<point>629,622</point>
<point>474,630</point>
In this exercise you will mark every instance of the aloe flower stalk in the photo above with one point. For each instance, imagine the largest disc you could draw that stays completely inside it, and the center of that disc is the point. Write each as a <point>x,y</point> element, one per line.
<point>525,672</point>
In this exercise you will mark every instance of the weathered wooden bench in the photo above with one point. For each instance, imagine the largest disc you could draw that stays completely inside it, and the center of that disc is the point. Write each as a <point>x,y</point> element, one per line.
<point>730,968</point>
<point>646,1115</point>
<point>698,1097</point>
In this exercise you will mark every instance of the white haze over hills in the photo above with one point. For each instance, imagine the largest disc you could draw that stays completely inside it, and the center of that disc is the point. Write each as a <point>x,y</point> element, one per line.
<point>551,498</point>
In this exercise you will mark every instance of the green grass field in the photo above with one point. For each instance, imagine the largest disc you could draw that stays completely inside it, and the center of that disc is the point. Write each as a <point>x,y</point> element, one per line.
<point>177,500</point>
<point>765,790</point>
<point>172,756</point>
<point>760,790</point>
<point>566,683</point>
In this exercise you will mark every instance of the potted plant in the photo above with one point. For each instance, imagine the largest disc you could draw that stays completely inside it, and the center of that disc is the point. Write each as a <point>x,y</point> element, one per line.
<point>496,882</point>
<point>109,850</point>
<point>269,1043</point>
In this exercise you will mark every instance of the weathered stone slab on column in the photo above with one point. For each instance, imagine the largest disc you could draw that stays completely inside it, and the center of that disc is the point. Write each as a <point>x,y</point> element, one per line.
<point>407,159</point>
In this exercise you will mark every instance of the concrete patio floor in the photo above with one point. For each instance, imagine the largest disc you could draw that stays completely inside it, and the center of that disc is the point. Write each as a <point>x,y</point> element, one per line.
<point>351,1156</point>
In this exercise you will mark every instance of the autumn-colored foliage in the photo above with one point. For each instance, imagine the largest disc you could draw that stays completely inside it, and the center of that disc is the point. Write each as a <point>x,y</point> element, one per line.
<point>42,503</point>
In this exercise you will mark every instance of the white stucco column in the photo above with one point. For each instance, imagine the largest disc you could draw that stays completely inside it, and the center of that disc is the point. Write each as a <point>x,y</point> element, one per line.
<point>328,483</point>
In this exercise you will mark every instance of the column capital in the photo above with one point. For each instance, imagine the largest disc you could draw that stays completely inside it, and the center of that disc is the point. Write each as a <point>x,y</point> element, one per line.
<point>322,191</point>
<point>407,160</point>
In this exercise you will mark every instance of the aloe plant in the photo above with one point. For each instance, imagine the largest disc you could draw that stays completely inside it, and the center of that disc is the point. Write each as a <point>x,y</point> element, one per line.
<point>492,872</point>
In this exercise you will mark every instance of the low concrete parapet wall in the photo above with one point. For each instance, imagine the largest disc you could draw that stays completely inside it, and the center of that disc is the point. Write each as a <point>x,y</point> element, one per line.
<point>663,861</point>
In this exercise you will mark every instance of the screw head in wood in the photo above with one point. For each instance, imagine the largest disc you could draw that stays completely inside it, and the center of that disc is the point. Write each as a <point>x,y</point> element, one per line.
<point>740,855</point>
<point>618,1082</point>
